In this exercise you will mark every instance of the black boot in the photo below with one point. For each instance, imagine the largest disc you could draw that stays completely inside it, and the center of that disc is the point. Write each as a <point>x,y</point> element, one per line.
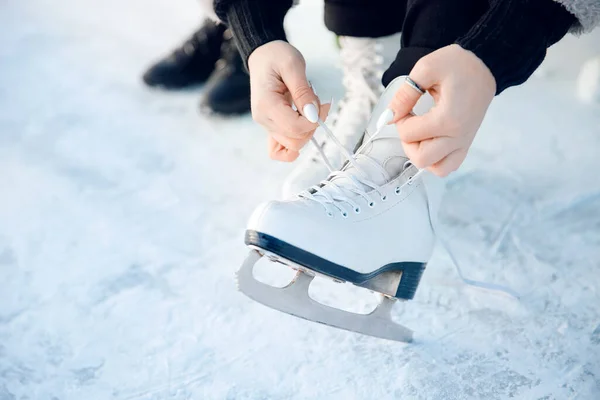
<point>228,89</point>
<point>191,63</point>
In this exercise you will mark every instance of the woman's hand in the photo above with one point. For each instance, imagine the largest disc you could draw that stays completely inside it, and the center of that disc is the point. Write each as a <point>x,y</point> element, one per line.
<point>463,88</point>
<point>278,79</point>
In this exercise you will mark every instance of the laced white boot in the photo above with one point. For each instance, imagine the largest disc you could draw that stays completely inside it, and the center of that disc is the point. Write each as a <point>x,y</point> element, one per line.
<point>362,66</point>
<point>372,216</point>
<point>372,224</point>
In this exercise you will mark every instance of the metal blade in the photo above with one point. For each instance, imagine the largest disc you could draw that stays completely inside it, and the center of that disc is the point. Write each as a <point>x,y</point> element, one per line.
<point>294,299</point>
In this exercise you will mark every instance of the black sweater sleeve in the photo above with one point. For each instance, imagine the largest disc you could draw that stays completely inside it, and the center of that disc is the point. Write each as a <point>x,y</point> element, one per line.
<point>512,37</point>
<point>253,22</point>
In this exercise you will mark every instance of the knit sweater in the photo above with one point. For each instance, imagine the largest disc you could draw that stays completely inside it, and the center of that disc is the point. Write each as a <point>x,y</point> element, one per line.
<point>511,38</point>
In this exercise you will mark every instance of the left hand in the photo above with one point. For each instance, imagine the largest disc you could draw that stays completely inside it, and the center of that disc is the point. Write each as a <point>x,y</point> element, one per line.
<point>463,87</point>
<point>278,79</point>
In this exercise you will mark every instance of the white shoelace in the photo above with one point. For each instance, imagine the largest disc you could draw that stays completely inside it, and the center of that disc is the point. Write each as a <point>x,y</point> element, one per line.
<point>331,194</point>
<point>341,194</point>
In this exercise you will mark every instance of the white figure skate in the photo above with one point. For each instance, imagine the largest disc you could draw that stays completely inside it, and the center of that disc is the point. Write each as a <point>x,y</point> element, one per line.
<point>362,61</point>
<point>370,224</point>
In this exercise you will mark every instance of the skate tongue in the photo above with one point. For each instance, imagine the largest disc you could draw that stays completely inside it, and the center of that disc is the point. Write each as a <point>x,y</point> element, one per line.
<point>384,151</point>
<point>385,147</point>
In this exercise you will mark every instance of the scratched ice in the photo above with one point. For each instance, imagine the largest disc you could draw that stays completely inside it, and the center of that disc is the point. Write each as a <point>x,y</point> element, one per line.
<point>122,214</point>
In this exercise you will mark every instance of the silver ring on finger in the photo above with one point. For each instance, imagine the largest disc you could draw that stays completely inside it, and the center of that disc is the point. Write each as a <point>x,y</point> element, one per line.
<point>414,85</point>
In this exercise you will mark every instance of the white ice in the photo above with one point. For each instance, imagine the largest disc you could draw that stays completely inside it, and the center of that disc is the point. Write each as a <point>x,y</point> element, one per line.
<point>122,215</point>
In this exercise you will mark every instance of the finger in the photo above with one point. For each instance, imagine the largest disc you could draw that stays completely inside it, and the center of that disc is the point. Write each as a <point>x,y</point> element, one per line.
<point>290,151</point>
<point>290,143</point>
<point>279,152</point>
<point>422,77</point>
<point>449,164</point>
<point>404,101</point>
<point>324,111</point>
<point>425,73</point>
<point>262,109</point>
<point>274,111</point>
<point>288,122</point>
<point>305,99</point>
<point>422,127</point>
<point>428,152</point>
<point>293,76</point>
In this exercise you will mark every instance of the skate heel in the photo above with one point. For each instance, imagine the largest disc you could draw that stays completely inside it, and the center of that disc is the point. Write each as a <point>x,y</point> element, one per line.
<point>399,280</point>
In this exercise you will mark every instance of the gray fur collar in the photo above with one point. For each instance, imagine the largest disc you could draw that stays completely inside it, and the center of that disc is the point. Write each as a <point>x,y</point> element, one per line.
<point>586,11</point>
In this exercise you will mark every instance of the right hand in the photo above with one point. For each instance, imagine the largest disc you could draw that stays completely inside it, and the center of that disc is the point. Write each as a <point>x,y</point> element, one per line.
<point>278,79</point>
<point>462,87</point>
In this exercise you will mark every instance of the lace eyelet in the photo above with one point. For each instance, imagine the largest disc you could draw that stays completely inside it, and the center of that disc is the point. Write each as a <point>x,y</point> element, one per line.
<point>329,214</point>
<point>383,198</point>
<point>371,204</point>
<point>357,210</point>
<point>410,180</point>
<point>345,214</point>
<point>398,190</point>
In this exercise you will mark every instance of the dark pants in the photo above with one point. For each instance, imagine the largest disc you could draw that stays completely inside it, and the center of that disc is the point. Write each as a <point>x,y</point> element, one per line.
<point>426,25</point>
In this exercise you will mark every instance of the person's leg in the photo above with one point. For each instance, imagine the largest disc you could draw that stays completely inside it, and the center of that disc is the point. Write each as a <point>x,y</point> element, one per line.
<point>364,18</point>
<point>208,56</point>
<point>192,62</point>
<point>430,25</point>
<point>227,91</point>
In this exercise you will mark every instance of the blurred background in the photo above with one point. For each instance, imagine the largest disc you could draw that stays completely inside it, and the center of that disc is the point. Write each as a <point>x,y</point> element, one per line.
<point>122,214</point>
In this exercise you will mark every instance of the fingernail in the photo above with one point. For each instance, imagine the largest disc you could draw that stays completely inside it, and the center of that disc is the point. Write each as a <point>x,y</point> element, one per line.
<point>310,113</point>
<point>385,118</point>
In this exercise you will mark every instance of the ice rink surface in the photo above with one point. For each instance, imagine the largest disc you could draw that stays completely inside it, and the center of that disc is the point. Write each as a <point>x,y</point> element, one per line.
<point>122,214</point>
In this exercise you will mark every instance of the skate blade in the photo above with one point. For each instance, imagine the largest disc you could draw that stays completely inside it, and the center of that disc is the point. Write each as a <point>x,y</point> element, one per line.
<point>294,299</point>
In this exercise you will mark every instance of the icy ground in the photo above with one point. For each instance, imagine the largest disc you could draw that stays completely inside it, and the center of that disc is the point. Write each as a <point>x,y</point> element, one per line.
<point>122,214</point>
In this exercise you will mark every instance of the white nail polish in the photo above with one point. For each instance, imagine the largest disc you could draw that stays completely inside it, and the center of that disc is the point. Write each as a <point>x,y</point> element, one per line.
<point>385,118</point>
<point>310,113</point>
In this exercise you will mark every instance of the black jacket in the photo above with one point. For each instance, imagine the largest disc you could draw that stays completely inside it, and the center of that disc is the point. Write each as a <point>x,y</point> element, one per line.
<point>511,38</point>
